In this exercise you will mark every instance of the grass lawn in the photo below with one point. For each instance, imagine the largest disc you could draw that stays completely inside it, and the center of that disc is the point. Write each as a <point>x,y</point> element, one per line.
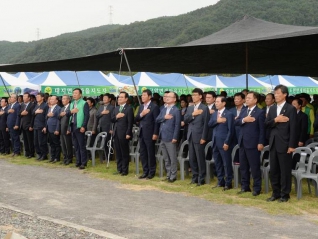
<point>307,205</point>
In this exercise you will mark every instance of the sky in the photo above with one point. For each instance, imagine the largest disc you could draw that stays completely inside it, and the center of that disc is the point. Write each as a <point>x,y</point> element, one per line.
<point>30,20</point>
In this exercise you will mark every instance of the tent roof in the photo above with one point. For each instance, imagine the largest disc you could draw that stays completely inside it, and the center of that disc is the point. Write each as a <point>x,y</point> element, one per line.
<point>271,49</point>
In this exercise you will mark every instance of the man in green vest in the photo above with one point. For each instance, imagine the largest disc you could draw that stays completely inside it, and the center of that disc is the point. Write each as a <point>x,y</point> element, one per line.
<point>78,125</point>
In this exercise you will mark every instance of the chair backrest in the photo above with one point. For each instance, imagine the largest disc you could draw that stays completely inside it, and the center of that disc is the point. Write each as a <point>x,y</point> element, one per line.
<point>312,145</point>
<point>304,152</point>
<point>180,153</point>
<point>206,149</point>
<point>100,140</point>
<point>234,151</point>
<point>89,137</point>
<point>264,161</point>
<point>312,157</point>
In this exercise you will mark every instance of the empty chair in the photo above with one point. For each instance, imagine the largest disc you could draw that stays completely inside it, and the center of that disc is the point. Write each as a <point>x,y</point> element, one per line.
<point>235,167</point>
<point>264,157</point>
<point>134,156</point>
<point>183,158</point>
<point>99,145</point>
<point>314,147</point>
<point>208,162</point>
<point>308,175</point>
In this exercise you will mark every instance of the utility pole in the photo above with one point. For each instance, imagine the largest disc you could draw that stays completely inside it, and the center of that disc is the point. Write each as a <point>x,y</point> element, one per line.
<point>110,15</point>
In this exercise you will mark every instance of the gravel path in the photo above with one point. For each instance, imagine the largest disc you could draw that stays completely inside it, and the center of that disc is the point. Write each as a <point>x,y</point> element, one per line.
<point>33,227</point>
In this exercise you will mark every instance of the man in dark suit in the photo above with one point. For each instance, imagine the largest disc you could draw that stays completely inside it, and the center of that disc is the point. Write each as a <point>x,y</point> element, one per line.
<point>282,121</point>
<point>104,121</point>
<point>66,137</point>
<point>25,125</point>
<point>222,122</point>
<point>13,124</point>
<point>170,123</point>
<point>197,118</point>
<point>269,101</point>
<point>78,126</point>
<point>38,125</point>
<point>210,97</point>
<point>301,130</point>
<point>4,133</point>
<point>148,134</point>
<point>251,142</point>
<point>53,128</point>
<point>123,119</point>
<point>239,100</point>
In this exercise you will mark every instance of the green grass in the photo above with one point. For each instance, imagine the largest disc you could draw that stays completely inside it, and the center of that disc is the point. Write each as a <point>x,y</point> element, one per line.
<point>307,205</point>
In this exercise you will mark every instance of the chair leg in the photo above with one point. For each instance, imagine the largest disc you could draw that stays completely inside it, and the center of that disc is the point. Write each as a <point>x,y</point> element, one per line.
<point>182,169</point>
<point>299,189</point>
<point>160,166</point>
<point>309,188</point>
<point>236,178</point>
<point>137,163</point>
<point>266,179</point>
<point>93,157</point>
<point>208,174</point>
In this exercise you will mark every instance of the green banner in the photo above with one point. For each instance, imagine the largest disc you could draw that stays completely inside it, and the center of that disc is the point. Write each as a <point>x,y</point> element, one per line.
<point>19,90</point>
<point>179,90</point>
<point>298,90</point>
<point>233,91</point>
<point>87,90</point>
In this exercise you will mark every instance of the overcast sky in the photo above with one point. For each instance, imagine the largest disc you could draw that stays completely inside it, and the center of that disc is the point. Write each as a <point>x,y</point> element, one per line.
<point>20,19</point>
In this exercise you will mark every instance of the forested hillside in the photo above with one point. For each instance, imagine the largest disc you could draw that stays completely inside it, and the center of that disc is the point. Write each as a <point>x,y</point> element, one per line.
<point>164,31</point>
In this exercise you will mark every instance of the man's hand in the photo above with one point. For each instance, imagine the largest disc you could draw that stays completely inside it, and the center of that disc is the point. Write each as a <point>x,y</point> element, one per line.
<point>44,130</point>
<point>197,112</point>
<point>202,141</point>
<point>38,111</point>
<point>120,115</point>
<point>154,137</point>
<point>30,129</point>
<point>225,147</point>
<point>16,127</point>
<point>249,119</point>
<point>300,144</point>
<point>93,132</point>
<point>174,141</point>
<point>221,120</point>
<point>168,116</point>
<point>281,119</point>
<point>260,147</point>
<point>68,132</point>
<point>105,112</point>
<point>82,130</point>
<point>62,113</point>
<point>182,123</point>
<point>127,136</point>
<point>11,111</point>
<point>290,150</point>
<point>56,132</point>
<point>50,114</point>
<point>24,112</point>
<point>144,112</point>
<point>212,111</point>
<point>74,111</point>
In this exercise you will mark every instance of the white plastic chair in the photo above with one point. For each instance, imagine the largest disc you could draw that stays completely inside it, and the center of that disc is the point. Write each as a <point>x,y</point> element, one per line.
<point>208,163</point>
<point>235,167</point>
<point>99,145</point>
<point>182,159</point>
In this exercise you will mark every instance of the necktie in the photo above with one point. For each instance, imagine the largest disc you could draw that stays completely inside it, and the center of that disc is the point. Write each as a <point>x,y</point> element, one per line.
<point>248,112</point>
<point>105,107</point>
<point>120,108</point>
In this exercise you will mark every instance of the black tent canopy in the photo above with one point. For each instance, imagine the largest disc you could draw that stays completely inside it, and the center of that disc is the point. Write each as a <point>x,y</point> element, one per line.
<point>265,47</point>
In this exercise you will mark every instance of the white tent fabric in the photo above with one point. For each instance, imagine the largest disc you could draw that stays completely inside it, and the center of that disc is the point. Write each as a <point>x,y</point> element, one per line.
<point>13,81</point>
<point>197,83</point>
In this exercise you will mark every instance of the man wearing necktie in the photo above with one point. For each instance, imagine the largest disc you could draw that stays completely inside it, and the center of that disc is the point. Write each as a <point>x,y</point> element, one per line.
<point>25,125</point>
<point>4,134</point>
<point>123,119</point>
<point>104,122</point>
<point>282,121</point>
<point>78,125</point>
<point>148,134</point>
<point>197,118</point>
<point>222,122</point>
<point>251,142</point>
<point>13,124</point>
<point>53,127</point>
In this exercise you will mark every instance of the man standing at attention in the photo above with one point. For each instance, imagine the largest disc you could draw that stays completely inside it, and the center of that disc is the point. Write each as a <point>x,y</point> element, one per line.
<point>170,123</point>
<point>13,124</point>
<point>4,134</point>
<point>148,134</point>
<point>251,142</point>
<point>281,119</point>
<point>78,124</point>
<point>25,124</point>
<point>123,117</point>
<point>197,118</point>
<point>222,122</point>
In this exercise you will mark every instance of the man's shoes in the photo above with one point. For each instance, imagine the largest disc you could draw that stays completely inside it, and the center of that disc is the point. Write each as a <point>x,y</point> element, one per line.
<point>149,177</point>
<point>143,176</point>
<point>272,199</point>
<point>51,161</point>
<point>116,173</point>
<point>172,180</point>
<point>67,162</point>
<point>218,186</point>
<point>200,183</point>
<point>30,156</point>
<point>227,188</point>
<point>39,156</point>
<point>14,155</point>
<point>81,167</point>
<point>254,193</point>
<point>56,160</point>
<point>193,181</point>
<point>284,199</point>
<point>244,191</point>
<point>124,174</point>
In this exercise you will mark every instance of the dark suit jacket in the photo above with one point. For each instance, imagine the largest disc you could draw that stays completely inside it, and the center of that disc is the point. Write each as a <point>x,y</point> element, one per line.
<point>39,120</point>
<point>64,121</point>
<point>169,129</point>
<point>197,126</point>
<point>26,120</point>
<point>92,121</point>
<point>3,118</point>
<point>252,133</point>
<point>147,124</point>
<point>210,133</point>
<point>236,127</point>
<point>104,121</point>
<point>222,133</point>
<point>283,135</point>
<point>123,126</point>
<point>53,123</point>
<point>14,118</point>
<point>302,127</point>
